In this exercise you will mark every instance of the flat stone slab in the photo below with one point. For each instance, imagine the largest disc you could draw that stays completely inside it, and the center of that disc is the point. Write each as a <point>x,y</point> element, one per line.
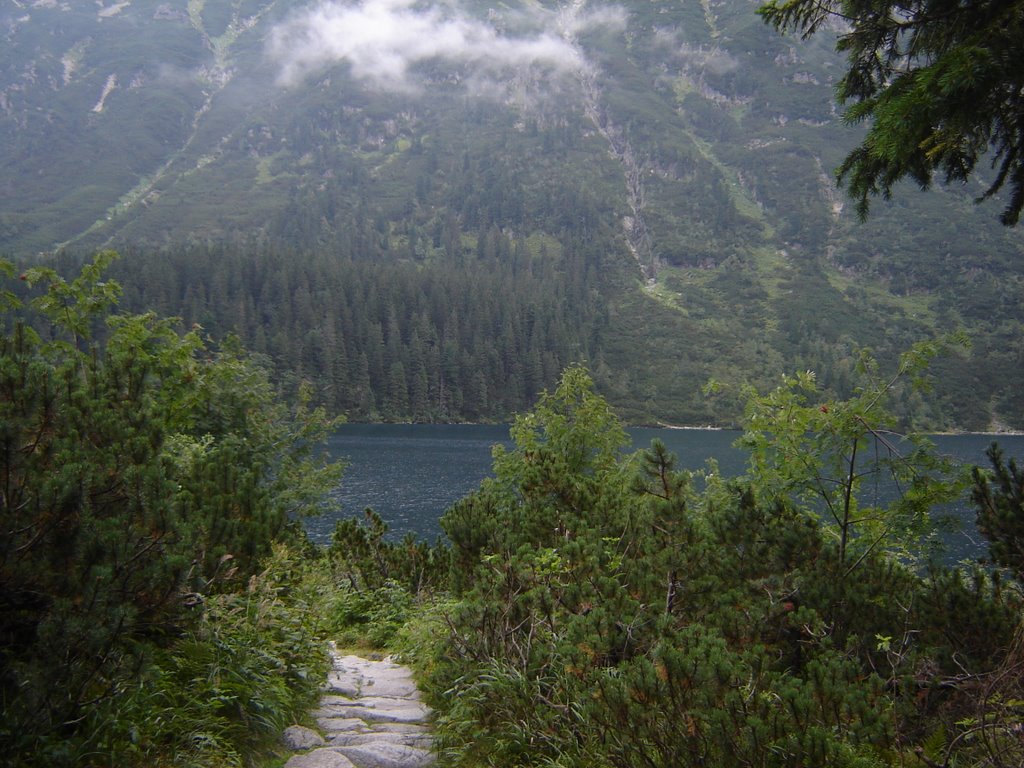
<point>378,678</point>
<point>320,758</point>
<point>390,702</point>
<point>379,715</point>
<point>373,709</point>
<point>329,702</point>
<point>343,686</point>
<point>410,728</point>
<point>418,740</point>
<point>383,755</point>
<point>341,723</point>
<point>296,737</point>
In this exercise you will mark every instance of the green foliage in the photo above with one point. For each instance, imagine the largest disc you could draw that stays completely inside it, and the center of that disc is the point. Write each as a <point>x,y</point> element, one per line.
<point>999,498</point>
<point>141,473</point>
<point>940,85</point>
<point>371,618</point>
<point>249,667</point>
<point>361,554</point>
<point>380,585</point>
<point>827,455</point>
<point>607,614</point>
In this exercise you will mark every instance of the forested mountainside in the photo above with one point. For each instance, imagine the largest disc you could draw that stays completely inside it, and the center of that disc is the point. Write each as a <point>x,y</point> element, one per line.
<point>429,210</point>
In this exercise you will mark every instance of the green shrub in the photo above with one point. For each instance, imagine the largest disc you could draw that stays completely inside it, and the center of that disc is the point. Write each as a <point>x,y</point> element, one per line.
<point>250,666</point>
<point>146,481</point>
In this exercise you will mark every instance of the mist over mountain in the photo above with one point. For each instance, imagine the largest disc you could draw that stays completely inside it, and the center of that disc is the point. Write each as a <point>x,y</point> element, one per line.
<point>428,209</point>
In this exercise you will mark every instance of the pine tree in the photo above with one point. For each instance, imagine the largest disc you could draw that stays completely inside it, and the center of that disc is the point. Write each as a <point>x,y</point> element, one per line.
<point>999,498</point>
<point>141,471</point>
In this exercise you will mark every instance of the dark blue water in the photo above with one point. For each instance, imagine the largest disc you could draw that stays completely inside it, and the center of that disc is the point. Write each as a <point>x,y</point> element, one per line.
<point>411,473</point>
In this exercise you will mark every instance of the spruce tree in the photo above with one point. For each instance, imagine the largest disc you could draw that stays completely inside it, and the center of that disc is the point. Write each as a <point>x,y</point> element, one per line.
<point>940,84</point>
<point>999,498</point>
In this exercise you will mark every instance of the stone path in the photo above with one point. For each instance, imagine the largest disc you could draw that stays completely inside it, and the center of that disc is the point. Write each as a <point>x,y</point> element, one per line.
<point>371,717</point>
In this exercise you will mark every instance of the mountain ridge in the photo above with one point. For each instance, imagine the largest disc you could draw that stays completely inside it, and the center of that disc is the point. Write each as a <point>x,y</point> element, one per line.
<point>683,147</point>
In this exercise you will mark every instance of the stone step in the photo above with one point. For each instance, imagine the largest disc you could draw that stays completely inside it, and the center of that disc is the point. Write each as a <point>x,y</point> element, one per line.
<point>341,724</point>
<point>418,740</point>
<point>384,755</point>
<point>375,714</point>
<point>320,758</point>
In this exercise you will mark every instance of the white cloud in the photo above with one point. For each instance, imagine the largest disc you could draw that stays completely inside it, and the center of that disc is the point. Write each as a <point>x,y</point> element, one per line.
<point>576,19</point>
<point>383,40</point>
<point>695,59</point>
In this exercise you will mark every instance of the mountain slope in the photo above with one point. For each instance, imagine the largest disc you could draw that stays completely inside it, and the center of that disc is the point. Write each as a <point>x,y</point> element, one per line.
<point>681,149</point>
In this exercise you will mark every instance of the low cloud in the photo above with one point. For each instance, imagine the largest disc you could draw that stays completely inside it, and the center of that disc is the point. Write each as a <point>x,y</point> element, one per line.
<point>383,41</point>
<point>695,59</point>
<point>714,61</point>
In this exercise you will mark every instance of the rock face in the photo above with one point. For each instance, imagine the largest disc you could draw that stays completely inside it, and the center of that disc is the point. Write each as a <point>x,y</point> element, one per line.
<point>297,737</point>
<point>372,717</point>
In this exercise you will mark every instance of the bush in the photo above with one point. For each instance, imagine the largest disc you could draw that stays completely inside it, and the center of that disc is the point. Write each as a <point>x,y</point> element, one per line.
<point>146,478</point>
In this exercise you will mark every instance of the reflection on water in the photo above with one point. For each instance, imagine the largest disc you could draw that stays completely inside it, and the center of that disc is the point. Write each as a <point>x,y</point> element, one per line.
<point>411,473</point>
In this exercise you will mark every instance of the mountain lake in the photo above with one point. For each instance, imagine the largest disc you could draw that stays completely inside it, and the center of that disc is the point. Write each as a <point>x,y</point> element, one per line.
<point>411,473</point>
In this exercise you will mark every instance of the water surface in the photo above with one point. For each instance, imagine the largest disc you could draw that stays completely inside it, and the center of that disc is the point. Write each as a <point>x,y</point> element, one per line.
<point>411,473</point>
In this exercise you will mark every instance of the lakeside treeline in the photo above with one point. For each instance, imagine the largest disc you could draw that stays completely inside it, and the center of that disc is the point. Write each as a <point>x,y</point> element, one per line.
<point>475,329</point>
<point>472,336</point>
